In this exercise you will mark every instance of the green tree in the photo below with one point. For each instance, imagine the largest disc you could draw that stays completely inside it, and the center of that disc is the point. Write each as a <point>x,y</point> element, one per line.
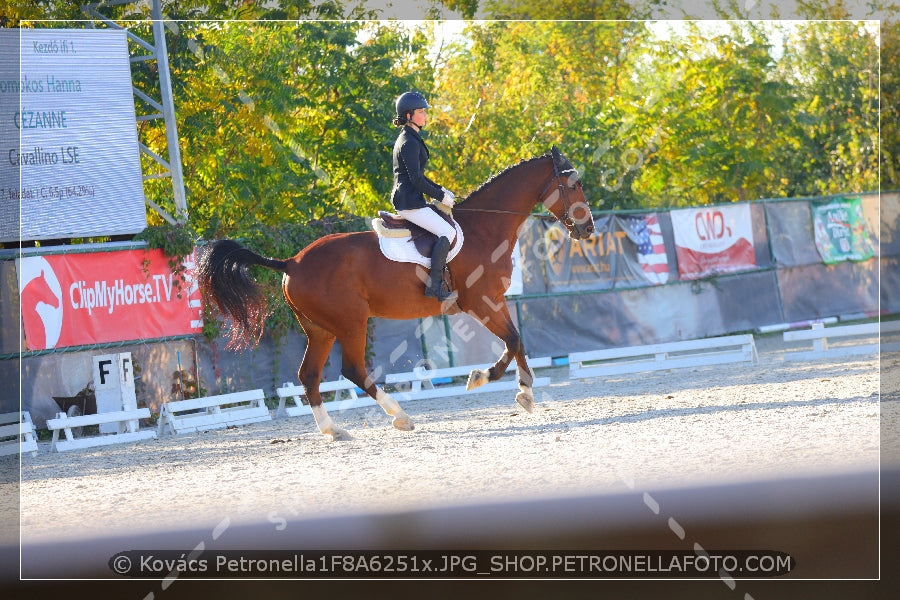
<point>833,65</point>
<point>890,105</point>
<point>562,10</point>
<point>718,110</point>
<point>512,89</point>
<point>287,121</point>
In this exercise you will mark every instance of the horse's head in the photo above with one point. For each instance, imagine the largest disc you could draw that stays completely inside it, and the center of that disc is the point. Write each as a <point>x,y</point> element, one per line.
<point>564,198</point>
<point>38,290</point>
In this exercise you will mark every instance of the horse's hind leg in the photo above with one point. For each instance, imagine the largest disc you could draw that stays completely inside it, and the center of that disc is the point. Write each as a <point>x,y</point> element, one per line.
<point>353,348</point>
<point>319,342</point>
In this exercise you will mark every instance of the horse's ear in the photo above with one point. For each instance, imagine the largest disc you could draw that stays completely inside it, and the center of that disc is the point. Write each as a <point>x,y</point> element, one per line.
<point>556,154</point>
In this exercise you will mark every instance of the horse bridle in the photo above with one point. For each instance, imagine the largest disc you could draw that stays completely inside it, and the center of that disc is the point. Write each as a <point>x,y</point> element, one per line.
<point>558,173</point>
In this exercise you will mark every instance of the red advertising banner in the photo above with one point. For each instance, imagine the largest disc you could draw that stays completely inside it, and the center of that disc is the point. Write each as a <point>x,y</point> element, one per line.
<point>82,299</point>
<point>713,240</point>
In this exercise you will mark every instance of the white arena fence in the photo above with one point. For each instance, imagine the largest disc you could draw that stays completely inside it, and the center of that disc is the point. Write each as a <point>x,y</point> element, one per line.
<point>179,417</point>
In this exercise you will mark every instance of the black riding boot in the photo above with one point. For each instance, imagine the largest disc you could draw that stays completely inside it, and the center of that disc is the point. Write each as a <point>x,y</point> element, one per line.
<point>435,287</point>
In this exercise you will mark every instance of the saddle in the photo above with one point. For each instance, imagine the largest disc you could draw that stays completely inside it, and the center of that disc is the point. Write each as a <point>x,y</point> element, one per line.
<point>390,225</point>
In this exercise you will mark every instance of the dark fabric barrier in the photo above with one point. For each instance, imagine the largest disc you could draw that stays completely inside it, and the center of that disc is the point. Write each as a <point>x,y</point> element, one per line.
<point>532,248</point>
<point>748,301</point>
<point>10,308</point>
<point>890,284</point>
<point>790,230</point>
<point>817,291</point>
<point>760,236</point>
<point>10,375</point>
<point>396,347</point>
<point>884,217</point>
<point>558,325</point>
<point>790,234</point>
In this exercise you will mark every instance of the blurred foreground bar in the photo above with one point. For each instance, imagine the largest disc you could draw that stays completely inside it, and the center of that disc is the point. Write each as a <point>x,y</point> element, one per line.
<point>829,525</point>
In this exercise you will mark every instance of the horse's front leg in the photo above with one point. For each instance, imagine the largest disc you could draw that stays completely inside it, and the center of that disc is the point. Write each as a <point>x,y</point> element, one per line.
<point>500,324</point>
<point>479,377</point>
<point>525,397</point>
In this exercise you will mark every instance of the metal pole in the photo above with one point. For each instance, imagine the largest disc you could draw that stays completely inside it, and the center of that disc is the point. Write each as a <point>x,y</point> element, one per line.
<point>165,87</point>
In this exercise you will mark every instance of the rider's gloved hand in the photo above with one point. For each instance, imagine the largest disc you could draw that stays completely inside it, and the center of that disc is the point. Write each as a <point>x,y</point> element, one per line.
<point>449,197</point>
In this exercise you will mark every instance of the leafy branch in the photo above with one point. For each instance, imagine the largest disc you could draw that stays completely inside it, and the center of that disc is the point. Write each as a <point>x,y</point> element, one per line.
<point>176,242</point>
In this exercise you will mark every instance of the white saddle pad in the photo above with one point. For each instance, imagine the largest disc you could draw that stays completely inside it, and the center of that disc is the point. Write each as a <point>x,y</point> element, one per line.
<point>402,249</point>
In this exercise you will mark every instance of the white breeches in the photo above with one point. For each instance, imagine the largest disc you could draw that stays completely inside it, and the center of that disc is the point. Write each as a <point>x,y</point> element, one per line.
<point>430,220</point>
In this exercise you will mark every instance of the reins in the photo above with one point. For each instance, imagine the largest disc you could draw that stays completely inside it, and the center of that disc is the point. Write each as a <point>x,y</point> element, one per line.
<point>557,175</point>
<point>495,210</point>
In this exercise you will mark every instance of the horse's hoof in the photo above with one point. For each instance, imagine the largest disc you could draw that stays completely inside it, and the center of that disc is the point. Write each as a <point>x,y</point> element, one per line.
<point>404,424</point>
<point>526,401</point>
<point>340,435</point>
<point>477,378</point>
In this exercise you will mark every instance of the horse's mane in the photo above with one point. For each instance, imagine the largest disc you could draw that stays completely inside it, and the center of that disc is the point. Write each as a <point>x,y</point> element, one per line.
<point>502,174</point>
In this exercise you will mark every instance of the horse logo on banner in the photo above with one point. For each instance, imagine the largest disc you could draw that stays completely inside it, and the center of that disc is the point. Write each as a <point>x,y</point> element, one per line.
<point>41,300</point>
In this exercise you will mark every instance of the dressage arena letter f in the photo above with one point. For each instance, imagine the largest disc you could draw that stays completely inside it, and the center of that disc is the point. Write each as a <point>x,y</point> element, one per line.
<point>126,369</point>
<point>103,368</point>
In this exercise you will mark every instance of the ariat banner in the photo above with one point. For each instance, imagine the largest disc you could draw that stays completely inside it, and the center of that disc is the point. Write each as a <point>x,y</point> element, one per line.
<point>623,252</point>
<point>82,299</point>
<point>713,240</point>
<point>840,231</point>
<point>587,264</point>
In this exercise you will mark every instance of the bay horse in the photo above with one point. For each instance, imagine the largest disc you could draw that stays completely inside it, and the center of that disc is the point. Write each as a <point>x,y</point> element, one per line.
<point>335,284</point>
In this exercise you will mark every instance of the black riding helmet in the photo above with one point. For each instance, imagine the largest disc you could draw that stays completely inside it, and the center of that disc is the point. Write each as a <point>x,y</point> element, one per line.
<point>410,101</point>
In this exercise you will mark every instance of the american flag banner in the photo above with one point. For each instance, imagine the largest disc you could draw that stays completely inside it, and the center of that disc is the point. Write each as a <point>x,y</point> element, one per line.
<point>651,249</point>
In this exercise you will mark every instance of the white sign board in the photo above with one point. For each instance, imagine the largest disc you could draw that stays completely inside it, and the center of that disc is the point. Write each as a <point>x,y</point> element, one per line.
<point>114,387</point>
<point>70,157</point>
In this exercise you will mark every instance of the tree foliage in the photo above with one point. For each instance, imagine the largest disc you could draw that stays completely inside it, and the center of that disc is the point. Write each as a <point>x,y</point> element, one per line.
<point>890,105</point>
<point>286,122</point>
<point>512,89</point>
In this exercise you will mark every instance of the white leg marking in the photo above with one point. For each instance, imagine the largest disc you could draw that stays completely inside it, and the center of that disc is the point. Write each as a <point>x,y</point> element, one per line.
<point>526,396</point>
<point>392,407</point>
<point>526,378</point>
<point>477,378</point>
<point>327,426</point>
<point>387,402</point>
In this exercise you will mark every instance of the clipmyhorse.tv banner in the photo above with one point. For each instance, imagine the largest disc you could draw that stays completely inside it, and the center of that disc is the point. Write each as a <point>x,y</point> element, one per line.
<point>81,299</point>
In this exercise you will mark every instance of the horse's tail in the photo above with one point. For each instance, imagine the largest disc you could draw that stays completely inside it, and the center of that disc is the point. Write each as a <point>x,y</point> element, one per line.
<point>223,274</point>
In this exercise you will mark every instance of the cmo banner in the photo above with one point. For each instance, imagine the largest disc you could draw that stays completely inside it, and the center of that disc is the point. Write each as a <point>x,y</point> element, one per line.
<point>713,240</point>
<point>70,156</point>
<point>80,299</point>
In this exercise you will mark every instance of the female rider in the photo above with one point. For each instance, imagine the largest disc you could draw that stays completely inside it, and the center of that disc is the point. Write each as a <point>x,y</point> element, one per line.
<point>411,185</point>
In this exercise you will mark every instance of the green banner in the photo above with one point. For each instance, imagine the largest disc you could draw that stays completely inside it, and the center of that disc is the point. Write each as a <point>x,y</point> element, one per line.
<point>840,231</point>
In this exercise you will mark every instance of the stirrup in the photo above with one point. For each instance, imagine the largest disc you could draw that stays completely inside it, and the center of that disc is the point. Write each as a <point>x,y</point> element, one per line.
<point>448,297</point>
<point>442,294</point>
